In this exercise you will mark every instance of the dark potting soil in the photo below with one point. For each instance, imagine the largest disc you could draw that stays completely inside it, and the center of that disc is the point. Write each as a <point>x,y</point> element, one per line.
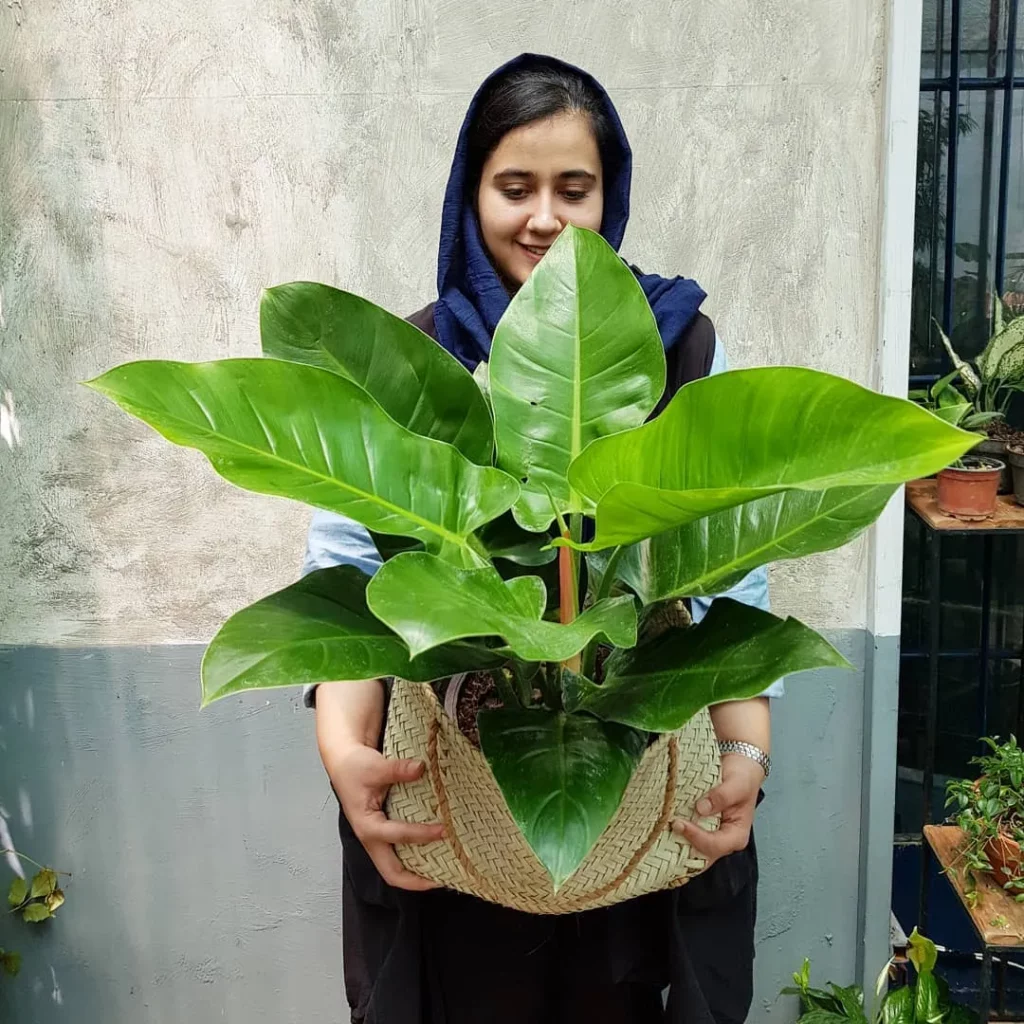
<point>478,693</point>
<point>1002,431</point>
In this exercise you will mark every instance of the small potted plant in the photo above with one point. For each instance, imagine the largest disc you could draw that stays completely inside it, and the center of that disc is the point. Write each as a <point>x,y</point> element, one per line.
<point>923,1001</point>
<point>1015,456</point>
<point>989,384</point>
<point>968,488</point>
<point>989,811</point>
<point>552,532</point>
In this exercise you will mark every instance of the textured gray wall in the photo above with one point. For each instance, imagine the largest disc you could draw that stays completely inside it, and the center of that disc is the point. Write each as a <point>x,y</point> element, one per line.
<point>159,164</point>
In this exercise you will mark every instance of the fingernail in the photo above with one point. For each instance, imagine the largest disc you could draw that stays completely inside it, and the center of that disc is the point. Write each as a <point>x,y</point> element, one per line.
<point>679,826</point>
<point>704,807</point>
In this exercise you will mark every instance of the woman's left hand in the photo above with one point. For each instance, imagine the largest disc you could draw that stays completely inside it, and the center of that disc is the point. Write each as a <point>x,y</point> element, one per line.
<point>734,799</point>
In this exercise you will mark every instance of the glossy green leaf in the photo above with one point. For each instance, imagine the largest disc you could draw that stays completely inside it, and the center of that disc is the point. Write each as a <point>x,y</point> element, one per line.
<point>823,1017</point>
<point>710,555</point>
<point>734,653</point>
<point>787,429</point>
<point>576,356</point>
<point>415,381</point>
<point>505,538</point>
<point>922,952</point>
<point>319,630</point>
<point>429,602</point>
<point>301,432</point>
<point>926,1000</point>
<point>851,999</point>
<point>562,777</point>
<point>898,1007</point>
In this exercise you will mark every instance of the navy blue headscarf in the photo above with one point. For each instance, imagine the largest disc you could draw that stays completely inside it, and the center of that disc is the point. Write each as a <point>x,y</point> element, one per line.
<point>471,296</point>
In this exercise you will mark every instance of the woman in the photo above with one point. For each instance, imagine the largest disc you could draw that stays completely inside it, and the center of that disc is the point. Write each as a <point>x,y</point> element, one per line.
<point>541,146</point>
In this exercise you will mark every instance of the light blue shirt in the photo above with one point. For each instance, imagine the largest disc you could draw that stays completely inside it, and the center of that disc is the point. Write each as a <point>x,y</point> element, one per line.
<point>334,539</point>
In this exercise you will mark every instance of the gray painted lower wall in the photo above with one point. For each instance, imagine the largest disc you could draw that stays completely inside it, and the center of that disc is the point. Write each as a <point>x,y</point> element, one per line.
<point>204,854</point>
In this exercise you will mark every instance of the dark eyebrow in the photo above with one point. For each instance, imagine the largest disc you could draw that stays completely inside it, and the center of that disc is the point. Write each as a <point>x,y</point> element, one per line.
<point>515,172</point>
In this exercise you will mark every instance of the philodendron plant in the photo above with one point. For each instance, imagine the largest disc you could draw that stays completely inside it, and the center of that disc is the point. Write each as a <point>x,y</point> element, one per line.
<point>480,487</point>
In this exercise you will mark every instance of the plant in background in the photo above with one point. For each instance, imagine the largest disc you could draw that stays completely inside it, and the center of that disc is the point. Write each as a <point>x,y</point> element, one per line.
<point>34,899</point>
<point>990,382</point>
<point>926,1001</point>
<point>989,811</point>
<point>358,412</point>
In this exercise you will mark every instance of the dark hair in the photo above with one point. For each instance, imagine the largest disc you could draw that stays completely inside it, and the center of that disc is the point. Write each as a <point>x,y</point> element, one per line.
<point>532,94</point>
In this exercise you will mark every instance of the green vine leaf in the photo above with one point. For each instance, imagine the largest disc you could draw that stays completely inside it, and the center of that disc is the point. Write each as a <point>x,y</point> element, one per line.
<point>18,892</point>
<point>36,912</point>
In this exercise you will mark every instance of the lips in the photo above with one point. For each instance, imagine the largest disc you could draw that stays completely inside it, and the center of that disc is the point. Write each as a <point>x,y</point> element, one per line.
<point>533,252</point>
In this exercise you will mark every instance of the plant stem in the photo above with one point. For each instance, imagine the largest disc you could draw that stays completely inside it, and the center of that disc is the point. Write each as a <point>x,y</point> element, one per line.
<point>42,867</point>
<point>569,582</point>
<point>607,582</point>
<point>509,697</point>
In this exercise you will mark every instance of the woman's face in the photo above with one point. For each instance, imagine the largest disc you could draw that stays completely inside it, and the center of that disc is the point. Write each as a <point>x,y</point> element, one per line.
<point>539,178</point>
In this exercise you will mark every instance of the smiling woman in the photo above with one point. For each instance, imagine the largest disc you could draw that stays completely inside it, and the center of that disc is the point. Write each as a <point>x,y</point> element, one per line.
<point>541,148</point>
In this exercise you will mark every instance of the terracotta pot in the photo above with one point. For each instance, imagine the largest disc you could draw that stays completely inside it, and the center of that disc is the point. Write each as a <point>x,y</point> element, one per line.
<point>969,490</point>
<point>993,448</point>
<point>1015,456</point>
<point>1005,856</point>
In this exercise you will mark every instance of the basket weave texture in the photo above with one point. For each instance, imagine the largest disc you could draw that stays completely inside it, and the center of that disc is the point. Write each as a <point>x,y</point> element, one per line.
<point>484,853</point>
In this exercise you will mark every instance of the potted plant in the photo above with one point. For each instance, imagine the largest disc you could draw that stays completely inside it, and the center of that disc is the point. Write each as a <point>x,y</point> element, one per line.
<point>924,1001</point>
<point>551,537</point>
<point>989,811</point>
<point>989,384</point>
<point>968,488</point>
<point>1015,456</point>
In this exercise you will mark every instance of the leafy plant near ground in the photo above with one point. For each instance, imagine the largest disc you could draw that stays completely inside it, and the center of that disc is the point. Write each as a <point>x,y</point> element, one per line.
<point>925,1001</point>
<point>358,412</point>
<point>990,809</point>
<point>35,899</point>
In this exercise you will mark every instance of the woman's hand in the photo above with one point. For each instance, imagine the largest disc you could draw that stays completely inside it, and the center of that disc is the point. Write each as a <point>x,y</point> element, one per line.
<point>348,718</point>
<point>734,799</point>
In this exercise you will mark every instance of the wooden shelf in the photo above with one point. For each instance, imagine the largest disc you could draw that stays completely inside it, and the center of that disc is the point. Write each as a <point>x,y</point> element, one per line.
<point>997,918</point>
<point>922,498</point>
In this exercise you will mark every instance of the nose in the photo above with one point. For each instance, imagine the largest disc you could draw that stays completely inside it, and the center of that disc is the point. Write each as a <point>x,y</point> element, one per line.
<point>543,220</point>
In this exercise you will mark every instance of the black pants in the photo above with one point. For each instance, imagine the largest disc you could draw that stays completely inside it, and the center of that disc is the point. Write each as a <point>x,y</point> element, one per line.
<point>445,958</point>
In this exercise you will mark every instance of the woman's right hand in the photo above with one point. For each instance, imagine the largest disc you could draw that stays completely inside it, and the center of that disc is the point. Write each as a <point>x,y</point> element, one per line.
<point>348,716</point>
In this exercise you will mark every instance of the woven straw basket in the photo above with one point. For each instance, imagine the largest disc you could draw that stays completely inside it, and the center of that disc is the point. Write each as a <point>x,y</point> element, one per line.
<point>486,855</point>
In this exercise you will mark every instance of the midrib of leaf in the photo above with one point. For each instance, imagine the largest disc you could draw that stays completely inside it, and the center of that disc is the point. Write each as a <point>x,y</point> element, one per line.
<point>775,541</point>
<point>434,528</point>
<point>576,423</point>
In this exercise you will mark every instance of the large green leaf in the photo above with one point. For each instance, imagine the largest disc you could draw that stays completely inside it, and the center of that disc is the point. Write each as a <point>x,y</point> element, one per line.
<point>576,356</point>
<point>562,777</point>
<point>428,602</point>
<point>926,1000</point>
<point>301,432</point>
<point>505,538</point>
<point>898,1007</point>
<point>319,630</point>
<point>413,379</point>
<point>734,653</point>
<point>710,555</point>
<point>745,434</point>
<point>1006,346</point>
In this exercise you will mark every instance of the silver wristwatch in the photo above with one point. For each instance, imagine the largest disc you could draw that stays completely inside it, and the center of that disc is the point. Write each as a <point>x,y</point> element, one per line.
<point>747,750</point>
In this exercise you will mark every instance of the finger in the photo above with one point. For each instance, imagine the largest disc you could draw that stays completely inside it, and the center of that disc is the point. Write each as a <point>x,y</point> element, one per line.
<point>729,792</point>
<point>392,871</point>
<point>388,771</point>
<point>380,830</point>
<point>728,839</point>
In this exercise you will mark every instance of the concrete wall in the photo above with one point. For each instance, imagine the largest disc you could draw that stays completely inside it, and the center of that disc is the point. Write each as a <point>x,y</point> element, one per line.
<point>159,164</point>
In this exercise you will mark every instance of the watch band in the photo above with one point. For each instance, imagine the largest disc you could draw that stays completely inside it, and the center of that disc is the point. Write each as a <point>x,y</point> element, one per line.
<point>747,750</point>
